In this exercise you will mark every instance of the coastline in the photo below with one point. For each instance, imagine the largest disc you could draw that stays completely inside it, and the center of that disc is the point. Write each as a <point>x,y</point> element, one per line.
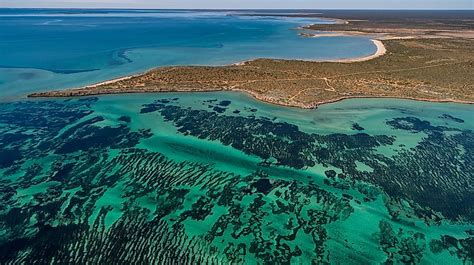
<point>111,81</point>
<point>284,83</point>
<point>258,97</point>
<point>390,97</point>
<point>381,50</point>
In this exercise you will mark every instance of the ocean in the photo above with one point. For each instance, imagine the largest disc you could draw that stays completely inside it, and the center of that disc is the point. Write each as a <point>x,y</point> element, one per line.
<point>51,49</point>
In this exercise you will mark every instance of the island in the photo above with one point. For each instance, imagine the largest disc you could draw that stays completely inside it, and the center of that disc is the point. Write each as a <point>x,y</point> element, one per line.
<point>429,59</point>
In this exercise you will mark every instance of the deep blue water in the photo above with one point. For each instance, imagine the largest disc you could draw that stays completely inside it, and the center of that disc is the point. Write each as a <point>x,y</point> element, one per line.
<point>48,49</point>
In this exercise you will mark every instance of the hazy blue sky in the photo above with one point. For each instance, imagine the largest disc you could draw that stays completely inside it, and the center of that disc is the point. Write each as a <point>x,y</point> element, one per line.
<point>316,4</point>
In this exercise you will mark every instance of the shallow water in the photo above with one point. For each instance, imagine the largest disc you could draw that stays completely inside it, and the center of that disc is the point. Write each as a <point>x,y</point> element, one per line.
<point>244,182</point>
<point>223,178</point>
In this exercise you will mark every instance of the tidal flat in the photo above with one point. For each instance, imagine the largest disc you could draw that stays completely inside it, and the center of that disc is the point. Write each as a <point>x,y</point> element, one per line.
<point>220,178</point>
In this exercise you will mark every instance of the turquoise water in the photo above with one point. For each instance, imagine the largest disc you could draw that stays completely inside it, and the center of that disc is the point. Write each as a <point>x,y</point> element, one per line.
<point>221,178</point>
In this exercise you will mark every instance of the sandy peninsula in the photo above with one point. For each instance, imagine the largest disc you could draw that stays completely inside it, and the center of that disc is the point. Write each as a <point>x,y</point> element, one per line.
<point>429,64</point>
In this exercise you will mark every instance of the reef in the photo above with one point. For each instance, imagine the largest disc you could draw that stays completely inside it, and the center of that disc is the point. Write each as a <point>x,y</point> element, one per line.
<point>77,187</point>
<point>414,174</point>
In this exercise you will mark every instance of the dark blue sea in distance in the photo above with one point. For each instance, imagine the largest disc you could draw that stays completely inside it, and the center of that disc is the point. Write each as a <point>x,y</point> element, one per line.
<point>46,49</point>
<point>216,177</point>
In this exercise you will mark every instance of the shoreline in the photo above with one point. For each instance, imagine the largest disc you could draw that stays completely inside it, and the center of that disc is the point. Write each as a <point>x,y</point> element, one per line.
<point>258,97</point>
<point>110,81</point>
<point>145,82</point>
<point>380,51</point>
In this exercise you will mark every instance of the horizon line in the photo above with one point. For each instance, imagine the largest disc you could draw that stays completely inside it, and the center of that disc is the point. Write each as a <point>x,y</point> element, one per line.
<point>237,9</point>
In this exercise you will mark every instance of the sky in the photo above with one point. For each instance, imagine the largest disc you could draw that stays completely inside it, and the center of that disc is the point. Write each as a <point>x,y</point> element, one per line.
<point>246,4</point>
